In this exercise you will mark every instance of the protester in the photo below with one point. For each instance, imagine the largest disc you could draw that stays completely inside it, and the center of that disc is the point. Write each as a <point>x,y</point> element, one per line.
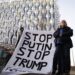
<point>20,34</point>
<point>63,43</point>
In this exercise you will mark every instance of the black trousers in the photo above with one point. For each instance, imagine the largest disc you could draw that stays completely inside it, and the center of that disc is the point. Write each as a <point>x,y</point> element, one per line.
<point>67,63</point>
<point>61,61</point>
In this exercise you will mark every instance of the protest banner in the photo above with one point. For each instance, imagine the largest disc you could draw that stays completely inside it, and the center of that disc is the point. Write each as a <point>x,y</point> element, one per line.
<point>33,54</point>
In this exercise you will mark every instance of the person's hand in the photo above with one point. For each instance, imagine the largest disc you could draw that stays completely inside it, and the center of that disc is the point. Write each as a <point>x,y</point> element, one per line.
<point>61,26</point>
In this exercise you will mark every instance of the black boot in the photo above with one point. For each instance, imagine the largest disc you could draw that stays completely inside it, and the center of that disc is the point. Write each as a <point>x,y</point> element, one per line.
<point>53,73</point>
<point>60,73</point>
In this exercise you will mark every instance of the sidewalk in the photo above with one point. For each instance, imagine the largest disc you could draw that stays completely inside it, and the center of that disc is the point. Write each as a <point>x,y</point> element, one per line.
<point>72,71</point>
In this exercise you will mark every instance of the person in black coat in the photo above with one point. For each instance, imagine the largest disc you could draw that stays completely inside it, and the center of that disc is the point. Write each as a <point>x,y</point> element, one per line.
<point>63,44</point>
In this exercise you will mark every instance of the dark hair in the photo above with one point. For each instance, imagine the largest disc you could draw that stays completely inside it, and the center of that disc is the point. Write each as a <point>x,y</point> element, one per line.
<point>65,23</point>
<point>21,29</point>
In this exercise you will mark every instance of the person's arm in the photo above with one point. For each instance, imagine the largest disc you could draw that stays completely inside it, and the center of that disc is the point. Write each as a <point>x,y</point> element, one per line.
<point>56,33</point>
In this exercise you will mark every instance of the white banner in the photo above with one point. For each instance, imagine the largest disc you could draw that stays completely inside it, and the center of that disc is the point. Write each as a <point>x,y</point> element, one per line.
<point>34,53</point>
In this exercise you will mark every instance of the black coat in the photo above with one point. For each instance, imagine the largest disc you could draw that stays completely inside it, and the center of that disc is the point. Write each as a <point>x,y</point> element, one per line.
<point>65,38</point>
